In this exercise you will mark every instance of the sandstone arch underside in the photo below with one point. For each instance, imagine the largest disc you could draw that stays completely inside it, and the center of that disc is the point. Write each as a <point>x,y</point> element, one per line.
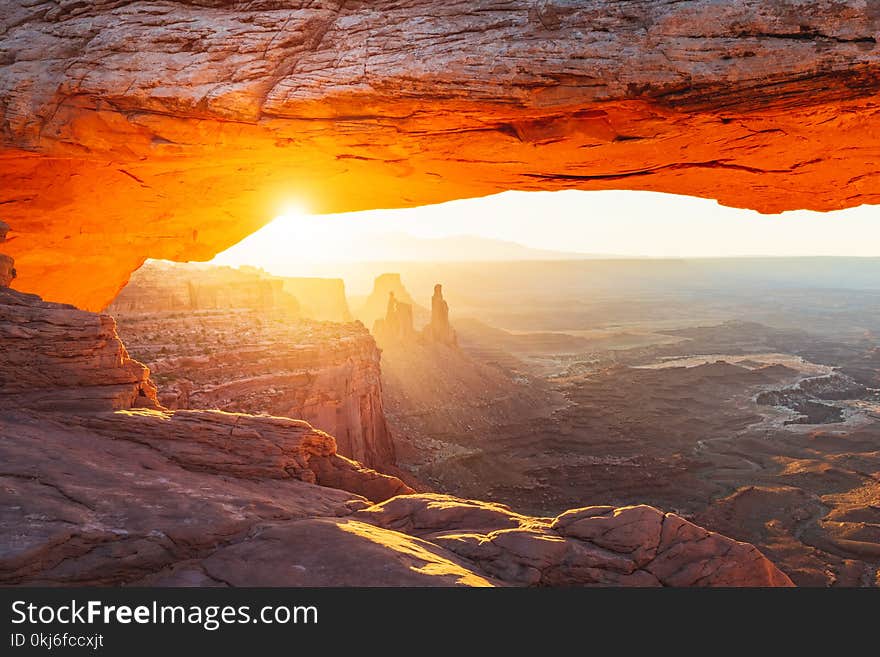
<point>173,129</point>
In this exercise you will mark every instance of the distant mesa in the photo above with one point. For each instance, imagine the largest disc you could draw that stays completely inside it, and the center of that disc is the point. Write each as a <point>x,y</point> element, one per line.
<point>160,287</point>
<point>397,326</point>
<point>165,286</point>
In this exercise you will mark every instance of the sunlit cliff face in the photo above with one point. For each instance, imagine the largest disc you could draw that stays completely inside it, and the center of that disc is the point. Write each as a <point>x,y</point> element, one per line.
<point>183,128</point>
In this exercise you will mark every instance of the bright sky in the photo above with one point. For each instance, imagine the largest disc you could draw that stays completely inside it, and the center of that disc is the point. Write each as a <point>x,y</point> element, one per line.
<point>604,222</point>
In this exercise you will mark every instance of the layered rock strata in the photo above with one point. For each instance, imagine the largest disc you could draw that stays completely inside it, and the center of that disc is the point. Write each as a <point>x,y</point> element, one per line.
<point>56,357</point>
<point>325,373</point>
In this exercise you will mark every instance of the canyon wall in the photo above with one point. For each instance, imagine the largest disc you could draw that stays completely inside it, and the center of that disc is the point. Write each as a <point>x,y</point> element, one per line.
<point>174,129</point>
<point>62,368</point>
<point>231,339</point>
<point>325,373</point>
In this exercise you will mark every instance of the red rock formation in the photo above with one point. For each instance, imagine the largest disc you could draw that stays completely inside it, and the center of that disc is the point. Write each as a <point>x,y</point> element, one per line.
<point>204,499</point>
<point>325,373</point>
<point>56,357</point>
<point>246,446</point>
<point>375,306</point>
<point>172,130</point>
<point>249,353</point>
<point>600,545</point>
<point>156,497</point>
<point>397,325</point>
<point>439,330</point>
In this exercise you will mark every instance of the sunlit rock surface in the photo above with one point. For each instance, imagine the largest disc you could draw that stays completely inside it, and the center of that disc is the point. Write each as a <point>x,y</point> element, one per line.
<point>174,129</point>
<point>55,357</point>
<point>600,545</point>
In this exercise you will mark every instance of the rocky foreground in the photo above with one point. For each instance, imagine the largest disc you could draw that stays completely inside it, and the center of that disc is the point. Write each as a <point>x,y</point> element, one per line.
<point>103,493</point>
<point>130,498</point>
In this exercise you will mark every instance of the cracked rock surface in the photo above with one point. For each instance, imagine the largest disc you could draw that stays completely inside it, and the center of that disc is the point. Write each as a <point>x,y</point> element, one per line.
<point>599,545</point>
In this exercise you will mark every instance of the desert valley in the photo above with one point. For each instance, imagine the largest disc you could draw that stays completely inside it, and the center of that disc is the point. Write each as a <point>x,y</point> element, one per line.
<point>679,399</point>
<point>389,294</point>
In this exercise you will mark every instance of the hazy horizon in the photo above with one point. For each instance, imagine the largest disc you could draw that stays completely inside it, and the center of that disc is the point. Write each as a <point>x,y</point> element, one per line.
<point>553,225</point>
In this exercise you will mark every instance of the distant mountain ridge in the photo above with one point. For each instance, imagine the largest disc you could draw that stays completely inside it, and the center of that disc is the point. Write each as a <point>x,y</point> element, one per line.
<point>458,248</point>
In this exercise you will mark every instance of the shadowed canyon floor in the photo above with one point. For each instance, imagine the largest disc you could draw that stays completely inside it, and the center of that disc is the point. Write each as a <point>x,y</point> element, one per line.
<point>722,426</point>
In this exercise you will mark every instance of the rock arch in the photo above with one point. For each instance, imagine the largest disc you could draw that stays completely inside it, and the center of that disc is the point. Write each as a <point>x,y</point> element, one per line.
<point>173,129</point>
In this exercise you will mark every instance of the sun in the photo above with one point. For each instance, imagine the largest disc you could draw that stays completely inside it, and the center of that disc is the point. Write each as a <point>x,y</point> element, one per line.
<point>293,237</point>
<point>291,210</point>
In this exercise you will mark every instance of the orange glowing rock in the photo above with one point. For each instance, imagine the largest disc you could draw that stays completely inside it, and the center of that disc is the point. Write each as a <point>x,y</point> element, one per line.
<point>184,128</point>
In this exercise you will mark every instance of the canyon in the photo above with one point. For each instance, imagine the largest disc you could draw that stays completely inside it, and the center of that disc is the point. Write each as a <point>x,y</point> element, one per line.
<point>327,374</point>
<point>353,106</point>
<point>666,396</point>
<point>682,431</point>
<point>234,340</point>
<point>133,493</point>
<point>711,420</point>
